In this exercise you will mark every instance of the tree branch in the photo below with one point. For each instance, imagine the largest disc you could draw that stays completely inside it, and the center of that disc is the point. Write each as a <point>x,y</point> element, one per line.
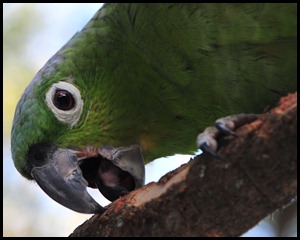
<point>207,197</point>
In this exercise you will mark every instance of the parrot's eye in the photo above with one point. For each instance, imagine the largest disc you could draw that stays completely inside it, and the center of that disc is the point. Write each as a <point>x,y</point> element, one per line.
<point>64,100</point>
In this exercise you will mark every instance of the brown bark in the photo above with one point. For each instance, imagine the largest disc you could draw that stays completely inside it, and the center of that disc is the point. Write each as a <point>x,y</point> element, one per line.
<point>214,197</point>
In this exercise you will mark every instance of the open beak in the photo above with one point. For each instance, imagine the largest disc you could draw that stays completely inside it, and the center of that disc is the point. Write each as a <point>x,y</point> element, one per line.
<point>115,172</point>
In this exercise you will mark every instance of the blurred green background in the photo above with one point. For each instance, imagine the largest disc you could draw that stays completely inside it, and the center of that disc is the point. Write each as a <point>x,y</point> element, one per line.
<point>32,33</point>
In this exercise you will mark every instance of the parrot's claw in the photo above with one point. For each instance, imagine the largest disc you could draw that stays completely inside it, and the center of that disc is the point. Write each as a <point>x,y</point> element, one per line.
<point>208,140</point>
<point>205,148</point>
<point>221,126</point>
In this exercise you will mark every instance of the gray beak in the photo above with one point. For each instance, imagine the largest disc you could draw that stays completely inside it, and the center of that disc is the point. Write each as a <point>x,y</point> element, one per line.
<point>62,180</point>
<point>120,170</point>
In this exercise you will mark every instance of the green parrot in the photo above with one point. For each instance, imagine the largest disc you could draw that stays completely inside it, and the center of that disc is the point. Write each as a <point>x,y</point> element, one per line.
<point>141,81</point>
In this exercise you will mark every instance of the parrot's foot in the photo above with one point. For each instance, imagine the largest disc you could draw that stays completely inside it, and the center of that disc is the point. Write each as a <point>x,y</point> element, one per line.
<point>208,140</point>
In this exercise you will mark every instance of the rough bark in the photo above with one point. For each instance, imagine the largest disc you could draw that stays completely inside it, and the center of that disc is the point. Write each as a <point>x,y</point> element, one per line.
<point>214,197</point>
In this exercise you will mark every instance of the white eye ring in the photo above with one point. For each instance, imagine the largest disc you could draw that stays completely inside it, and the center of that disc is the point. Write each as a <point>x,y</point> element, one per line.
<point>71,116</point>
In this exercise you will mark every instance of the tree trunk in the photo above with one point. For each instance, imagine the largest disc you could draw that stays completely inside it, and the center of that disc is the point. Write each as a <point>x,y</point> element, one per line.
<point>256,175</point>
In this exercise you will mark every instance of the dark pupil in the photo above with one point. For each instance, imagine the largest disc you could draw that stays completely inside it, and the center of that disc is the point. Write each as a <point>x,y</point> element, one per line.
<point>63,100</point>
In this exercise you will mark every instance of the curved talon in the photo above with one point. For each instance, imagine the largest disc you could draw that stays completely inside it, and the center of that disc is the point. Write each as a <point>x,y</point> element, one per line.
<point>221,126</point>
<point>207,141</point>
<point>228,124</point>
<point>206,149</point>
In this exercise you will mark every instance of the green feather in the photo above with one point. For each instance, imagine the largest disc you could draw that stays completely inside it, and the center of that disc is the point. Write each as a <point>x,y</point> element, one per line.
<point>158,74</point>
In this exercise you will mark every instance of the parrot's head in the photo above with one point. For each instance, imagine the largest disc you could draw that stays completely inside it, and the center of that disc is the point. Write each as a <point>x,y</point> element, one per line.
<point>66,133</point>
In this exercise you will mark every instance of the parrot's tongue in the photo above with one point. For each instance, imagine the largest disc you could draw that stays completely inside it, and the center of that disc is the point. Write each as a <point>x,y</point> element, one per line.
<point>110,179</point>
<point>114,171</point>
